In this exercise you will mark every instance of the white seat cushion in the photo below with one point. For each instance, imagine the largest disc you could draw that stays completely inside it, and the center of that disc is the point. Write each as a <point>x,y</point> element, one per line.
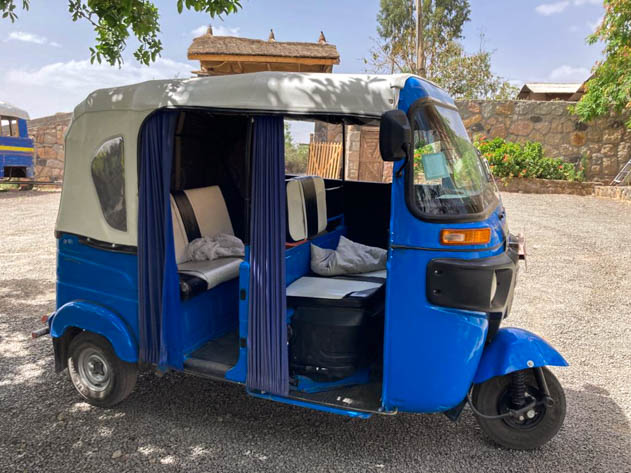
<point>296,218</point>
<point>211,215</point>
<point>213,272</point>
<point>327,288</point>
<point>306,207</point>
<point>210,210</point>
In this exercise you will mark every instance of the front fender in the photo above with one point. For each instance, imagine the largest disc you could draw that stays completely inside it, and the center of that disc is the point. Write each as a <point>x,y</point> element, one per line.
<point>514,349</point>
<point>97,319</point>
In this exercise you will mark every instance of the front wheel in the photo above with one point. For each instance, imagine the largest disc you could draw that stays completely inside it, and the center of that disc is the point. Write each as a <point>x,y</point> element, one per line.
<point>97,373</point>
<point>536,426</point>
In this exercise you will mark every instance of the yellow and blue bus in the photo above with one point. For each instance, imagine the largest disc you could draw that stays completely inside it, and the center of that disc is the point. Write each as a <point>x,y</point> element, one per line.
<point>16,148</point>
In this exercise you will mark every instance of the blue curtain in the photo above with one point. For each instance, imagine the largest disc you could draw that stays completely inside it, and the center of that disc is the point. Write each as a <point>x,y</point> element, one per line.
<point>267,330</point>
<point>158,283</point>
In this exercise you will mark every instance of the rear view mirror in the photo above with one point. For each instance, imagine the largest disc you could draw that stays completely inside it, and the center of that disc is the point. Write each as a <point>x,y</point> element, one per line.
<point>395,135</point>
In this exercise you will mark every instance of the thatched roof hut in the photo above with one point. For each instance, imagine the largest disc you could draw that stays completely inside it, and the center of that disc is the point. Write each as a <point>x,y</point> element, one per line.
<point>219,55</point>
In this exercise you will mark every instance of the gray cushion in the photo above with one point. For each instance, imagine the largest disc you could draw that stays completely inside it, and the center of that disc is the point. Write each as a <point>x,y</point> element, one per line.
<point>213,272</point>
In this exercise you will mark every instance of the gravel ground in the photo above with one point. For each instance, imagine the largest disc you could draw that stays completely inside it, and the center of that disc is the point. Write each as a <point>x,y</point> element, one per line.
<point>576,293</point>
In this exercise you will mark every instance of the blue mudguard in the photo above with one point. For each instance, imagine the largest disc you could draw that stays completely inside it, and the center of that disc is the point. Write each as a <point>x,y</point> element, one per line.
<point>514,349</point>
<point>98,319</point>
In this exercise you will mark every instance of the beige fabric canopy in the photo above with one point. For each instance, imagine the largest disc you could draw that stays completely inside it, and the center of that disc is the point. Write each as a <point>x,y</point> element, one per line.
<point>120,111</point>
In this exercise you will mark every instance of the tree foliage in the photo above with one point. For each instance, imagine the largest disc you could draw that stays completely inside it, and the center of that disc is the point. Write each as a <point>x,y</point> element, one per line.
<point>115,21</point>
<point>610,86</point>
<point>445,61</point>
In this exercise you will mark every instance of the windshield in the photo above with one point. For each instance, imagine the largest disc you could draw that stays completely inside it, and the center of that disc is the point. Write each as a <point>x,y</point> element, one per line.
<point>449,176</point>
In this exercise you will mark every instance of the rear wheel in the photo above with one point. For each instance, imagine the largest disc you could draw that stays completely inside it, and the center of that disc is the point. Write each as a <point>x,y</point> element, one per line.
<point>534,427</point>
<point>97,373</point>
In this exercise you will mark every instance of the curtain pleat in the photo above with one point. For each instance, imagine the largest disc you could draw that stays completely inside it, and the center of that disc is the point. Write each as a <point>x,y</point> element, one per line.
<point>267,331</point>
<point>158,283</point>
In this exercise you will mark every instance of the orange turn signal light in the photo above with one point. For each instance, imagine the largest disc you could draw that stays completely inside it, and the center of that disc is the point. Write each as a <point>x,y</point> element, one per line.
<point>468,236</point>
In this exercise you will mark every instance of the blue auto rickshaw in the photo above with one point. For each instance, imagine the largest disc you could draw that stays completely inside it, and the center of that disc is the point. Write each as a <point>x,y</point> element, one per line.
<point>156,167</point>
<point>16,148</point>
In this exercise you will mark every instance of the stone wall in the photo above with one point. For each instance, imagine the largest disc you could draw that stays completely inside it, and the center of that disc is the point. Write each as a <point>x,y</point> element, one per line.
<point>614,192</point>
<point>48,136</point>
<point>545,186</point>
<point>605,143</point>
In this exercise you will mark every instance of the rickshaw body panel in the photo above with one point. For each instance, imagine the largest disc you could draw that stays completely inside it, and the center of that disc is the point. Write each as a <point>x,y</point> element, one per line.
<point>514,349</point>
<point>97,319</point>
<point>431,353</point>
<point>97,290</point>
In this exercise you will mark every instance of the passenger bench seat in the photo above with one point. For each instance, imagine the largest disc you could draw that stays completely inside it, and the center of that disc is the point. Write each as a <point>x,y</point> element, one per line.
<point>197,213</point>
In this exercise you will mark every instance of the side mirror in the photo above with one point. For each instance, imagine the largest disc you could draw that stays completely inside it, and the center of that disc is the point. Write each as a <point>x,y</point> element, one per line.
<point>395,135</point>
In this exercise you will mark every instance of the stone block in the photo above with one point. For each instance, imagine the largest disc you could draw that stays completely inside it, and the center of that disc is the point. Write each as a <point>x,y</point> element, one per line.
<point>613,135</point>
<point>594,134</point>
<point>50,137</point>
<point>473,107</point>
<point>498,131</point>
<point>472,120</point>
<point>578,138</point>
<point>568,126</point>
<point>596,159</point>
<point>624,151</point>
<point>526,107</point>
<point>505,108</point>
<point>556,126</point>
<point>55,164</point>
<point>554,139</point>
<point>609,150</point>
<point>46,152</point>
<point>543,126</point>
<point>521,128</point>
<point>610,166</point>
<point>487,109</point>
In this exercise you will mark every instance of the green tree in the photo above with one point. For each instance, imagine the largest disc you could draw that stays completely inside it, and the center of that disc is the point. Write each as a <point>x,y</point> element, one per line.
<point>296,154</point>
<point>444,59</point>
<point>115,21</point>
<point>610,86</point>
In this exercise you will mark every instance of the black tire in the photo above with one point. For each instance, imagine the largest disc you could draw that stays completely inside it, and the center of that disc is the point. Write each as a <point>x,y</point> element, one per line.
<point>490,398</point>
<point>97,373</point>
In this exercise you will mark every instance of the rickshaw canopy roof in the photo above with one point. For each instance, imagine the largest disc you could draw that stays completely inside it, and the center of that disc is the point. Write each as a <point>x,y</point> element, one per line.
<point>364,95</point>
<point>120,112</point>
<point>8,110</point>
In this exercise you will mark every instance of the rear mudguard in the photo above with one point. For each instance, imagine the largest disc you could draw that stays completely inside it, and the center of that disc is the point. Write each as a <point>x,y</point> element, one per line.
<point>98,319</point>
<point>514,349</point>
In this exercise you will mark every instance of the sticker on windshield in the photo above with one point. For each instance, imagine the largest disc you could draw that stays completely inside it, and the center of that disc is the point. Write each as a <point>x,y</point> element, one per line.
<point>435,166</point>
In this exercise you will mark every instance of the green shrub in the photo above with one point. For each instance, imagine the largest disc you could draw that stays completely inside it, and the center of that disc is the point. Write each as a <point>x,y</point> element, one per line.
<point>508,159</point>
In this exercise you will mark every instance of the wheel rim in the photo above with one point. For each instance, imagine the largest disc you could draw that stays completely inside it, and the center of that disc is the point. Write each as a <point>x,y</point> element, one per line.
<point>530,419</point>
<point>94,370</point>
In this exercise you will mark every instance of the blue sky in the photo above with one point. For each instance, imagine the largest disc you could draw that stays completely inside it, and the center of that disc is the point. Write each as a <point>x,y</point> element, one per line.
<point>45,66</point>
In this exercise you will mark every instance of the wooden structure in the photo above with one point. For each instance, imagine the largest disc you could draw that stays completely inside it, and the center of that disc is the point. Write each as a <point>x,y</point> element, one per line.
<point>549,91</point>
<point>325,159</point>
<point>220,55</point>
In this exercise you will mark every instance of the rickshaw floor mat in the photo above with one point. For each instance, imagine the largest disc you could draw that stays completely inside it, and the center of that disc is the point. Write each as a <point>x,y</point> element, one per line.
<point>365,397</point>
<point>216,357</point>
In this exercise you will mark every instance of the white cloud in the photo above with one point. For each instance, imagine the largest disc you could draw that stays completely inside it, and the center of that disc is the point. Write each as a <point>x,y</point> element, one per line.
<point>588,2</point>
<point>30,38</point>
<point>60,86</point>
<point>567,73</point>
<point>547,9</point>
<point>217,31</point>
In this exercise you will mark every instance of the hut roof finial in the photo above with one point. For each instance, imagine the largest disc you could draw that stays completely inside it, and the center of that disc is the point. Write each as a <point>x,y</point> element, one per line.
<point>209,30</point>
<point>322,39</point>
<point>271,35</point>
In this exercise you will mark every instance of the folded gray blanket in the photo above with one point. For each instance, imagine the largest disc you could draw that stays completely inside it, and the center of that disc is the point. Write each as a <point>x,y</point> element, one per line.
<point>348,258</point>
<point>211,248</point>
